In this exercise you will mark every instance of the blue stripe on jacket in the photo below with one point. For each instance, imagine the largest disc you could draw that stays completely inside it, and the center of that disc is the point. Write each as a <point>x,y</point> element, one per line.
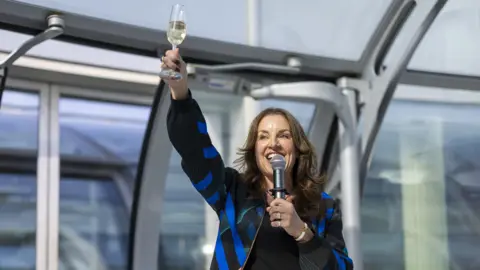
<point>237,242</point>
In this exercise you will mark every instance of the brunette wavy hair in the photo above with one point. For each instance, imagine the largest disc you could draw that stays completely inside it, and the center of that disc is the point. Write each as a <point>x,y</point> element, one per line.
<point>307,183</point>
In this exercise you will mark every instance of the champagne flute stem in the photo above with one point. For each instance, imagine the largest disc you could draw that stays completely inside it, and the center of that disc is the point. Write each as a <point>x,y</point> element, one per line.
<point>174,47</point>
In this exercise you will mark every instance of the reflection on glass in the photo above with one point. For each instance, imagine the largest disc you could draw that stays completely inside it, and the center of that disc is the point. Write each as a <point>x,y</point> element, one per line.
<point>304,112</point>
<point>188,225</point>
<point>94,224</point>
<point>102,130</point>
<point>421,204</point>
<point>183,222</point>
<point>100,147</point>
<point>100,144</point>
<point>19,121</point>
<point>18,134</point>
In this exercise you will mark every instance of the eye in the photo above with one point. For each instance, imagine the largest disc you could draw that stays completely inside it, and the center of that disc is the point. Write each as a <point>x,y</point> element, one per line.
<point>262,137</point>
<point>285,136</point>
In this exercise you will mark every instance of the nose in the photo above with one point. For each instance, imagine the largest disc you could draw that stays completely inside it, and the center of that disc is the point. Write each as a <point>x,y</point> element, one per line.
<point>273,142</point>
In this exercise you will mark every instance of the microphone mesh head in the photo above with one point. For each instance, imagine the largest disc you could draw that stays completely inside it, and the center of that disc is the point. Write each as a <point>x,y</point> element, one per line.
<point>278,162</point>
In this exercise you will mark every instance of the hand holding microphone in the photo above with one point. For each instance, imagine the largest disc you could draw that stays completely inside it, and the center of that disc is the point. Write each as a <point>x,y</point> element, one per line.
<point>282,212</point>
<point>278,165</point>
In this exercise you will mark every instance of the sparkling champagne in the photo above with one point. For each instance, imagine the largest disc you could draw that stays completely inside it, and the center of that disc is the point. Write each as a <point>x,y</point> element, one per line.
<point>177,31</point>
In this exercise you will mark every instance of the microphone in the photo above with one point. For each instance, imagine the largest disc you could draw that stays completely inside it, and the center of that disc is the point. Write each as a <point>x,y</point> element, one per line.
<point>278,165</point>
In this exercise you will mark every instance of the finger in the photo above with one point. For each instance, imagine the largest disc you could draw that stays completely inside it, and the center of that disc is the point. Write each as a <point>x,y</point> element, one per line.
<point>175,52</point>
<point>172,63</point>
<point>281,211</point>
<point>170,59</point>
<point>274,209</point>
<point>277,202</point>
<point>169,63</point>
<point>269,198</point>
<point>276,216</point>
<point>174,55</point>
<point>277,223</point>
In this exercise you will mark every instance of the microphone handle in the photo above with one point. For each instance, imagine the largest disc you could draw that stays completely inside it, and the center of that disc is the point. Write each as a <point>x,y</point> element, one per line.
<point>278,184</point>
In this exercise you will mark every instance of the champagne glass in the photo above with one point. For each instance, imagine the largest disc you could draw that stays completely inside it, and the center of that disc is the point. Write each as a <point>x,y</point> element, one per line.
<point>176,33</point>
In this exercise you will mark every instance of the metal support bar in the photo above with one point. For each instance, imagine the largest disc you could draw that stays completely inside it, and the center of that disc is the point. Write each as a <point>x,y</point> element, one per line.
<point>383,87</point>
<point>350,195</point>
<point>334,180</point>
<point>398,14</point>
<point>320,132</point>
<point>377,85</point>
<point>306,92</point>
<point>55,28</point>
<point>361,85</point>
<point>3,82</point>
<point>144,249</point>
<point>284,69</point>
<point>253,20</point>
<point>378,37</point>
<point>53,212</point>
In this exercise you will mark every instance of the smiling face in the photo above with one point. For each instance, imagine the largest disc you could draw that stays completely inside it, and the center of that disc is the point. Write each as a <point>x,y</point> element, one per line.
<point>276,131</point>
<point>274,137</point>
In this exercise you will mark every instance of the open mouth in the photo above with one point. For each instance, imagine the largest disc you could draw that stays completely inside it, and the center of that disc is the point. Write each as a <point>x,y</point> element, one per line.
<point>271,155</point>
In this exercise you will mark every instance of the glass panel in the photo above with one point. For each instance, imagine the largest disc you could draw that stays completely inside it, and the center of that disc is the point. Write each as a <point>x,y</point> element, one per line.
<point>18,185</point>
<point>102,130</point>
<point>183,222</point>
<point>185,215</point>
<point>313,26</point>
<point>421,206</point>
<point>304,112</point>
<point>94,212</point>
<point>19,121</point>
<point>54,49</point>
<point>232,15</point>
<point>94,224</point>
<point>449,46</point>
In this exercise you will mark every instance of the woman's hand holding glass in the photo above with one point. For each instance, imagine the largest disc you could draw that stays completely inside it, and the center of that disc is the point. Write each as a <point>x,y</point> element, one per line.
<point>176,33</point>
<point>173,61</point>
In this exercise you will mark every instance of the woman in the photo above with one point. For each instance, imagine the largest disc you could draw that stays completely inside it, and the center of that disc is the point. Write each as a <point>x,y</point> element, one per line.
<point>304,231</point>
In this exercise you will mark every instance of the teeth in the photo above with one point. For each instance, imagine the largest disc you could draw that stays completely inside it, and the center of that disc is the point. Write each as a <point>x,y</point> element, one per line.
<point>270,156</point>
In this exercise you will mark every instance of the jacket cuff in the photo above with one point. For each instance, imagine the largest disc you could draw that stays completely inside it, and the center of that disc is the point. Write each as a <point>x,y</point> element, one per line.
<point>182,104</point>
<point>315,252</point>
<point>310,246</point>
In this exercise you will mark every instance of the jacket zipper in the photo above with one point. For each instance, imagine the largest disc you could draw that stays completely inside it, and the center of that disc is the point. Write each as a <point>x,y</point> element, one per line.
<point>254,239</point>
